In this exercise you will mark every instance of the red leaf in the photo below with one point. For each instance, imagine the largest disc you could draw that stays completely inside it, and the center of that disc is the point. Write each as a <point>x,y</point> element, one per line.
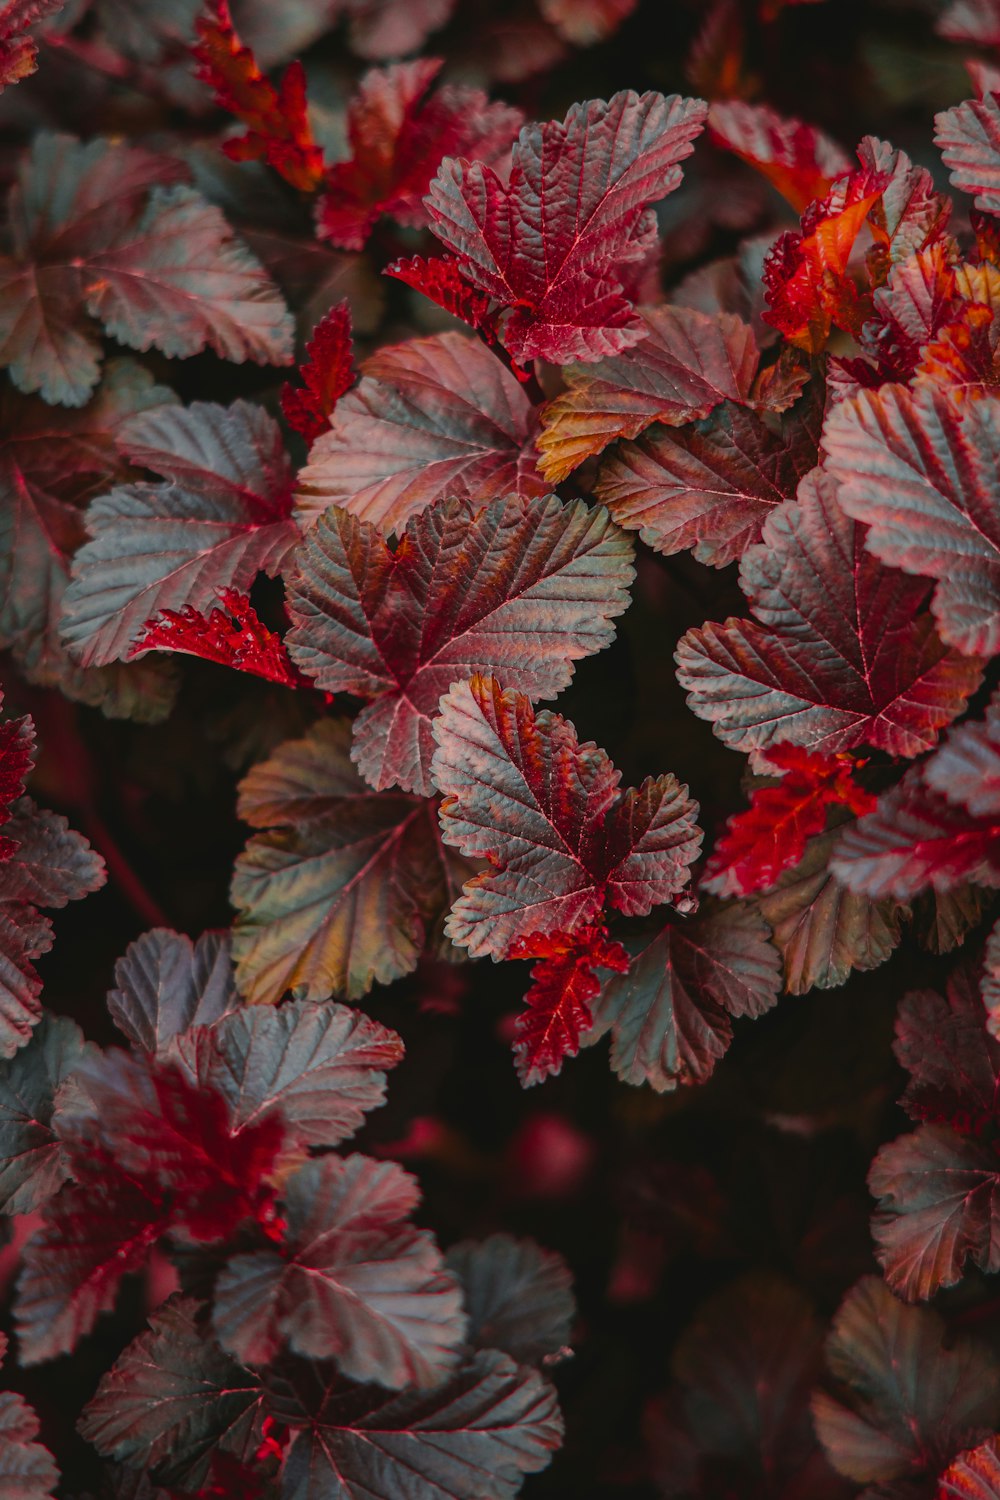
<point>430,419</point>
<point>563,984</point>
<point>975,21</point>
<point>278,121</point>
<point>562,841</point>
<point>969,140</point>
<point>800,160</point>
<point>771,835</point>
<point>27,1469</point>
<point>18,50</point>
<point>327,372</point>
<point>584,185</point>
<point>233,636</point>
<point>17,758</point>
<point>974,1475</point>
<point>440,279</point>
<point>841,656</point>
<point>521,588</point>
<point>381,29</point>
<point>398,136</point>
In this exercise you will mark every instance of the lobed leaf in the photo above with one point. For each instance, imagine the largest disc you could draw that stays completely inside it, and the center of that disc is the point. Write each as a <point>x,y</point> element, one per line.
<point>517,1296</point>
<point>33,1164</point>
<point>166,984</point>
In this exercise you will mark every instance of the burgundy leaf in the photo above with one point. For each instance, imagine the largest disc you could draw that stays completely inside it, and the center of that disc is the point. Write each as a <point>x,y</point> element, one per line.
<point>800,160</point>
<point>954,1065</point>
<point>166,984</point>
<point>440,279</point>
<point>839,655</point>
<point>33,1164</point>
<point>394,28</point>
<point>220,516</point>
<point>547,812</point>
<point>430,419</point>
<point>520,588</point>
<point>398,133</point>
<point>584,22</point>
<point>27,1469</point>
<point>584,185</point>
<point>518,1297</point>
<point>327,372</point>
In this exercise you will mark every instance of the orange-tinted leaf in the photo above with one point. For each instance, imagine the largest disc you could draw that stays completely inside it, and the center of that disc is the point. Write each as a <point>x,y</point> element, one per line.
<point>800,160</point>
<point>563,985</point>
<point>18,50</point>
<point>974,1475</point>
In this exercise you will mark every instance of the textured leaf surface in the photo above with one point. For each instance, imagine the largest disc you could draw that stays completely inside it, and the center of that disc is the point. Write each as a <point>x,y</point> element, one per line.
<point>670,1016</point>
<point>558,1010</point>
<point>231,636</point>
<point>32,1162</point>
<point>520,588</point>
<point>839,655</point>
<point>165,983</point>
<point>106,232</point>
<point>326,373</point>
<point>973,1476</point>
<point>430,419</point>
<point>340,888</point>
<point>546,811</point>
<point>220,516</point>
<point>354,1282</point>
<point>27,1469</point>
<point>398,133</point>
<point>518,1297</point>
<point>909,1399</point>
<point>968,138</point>
<point>799,160</point>
<point>686,364</point>
<point>584,186</point>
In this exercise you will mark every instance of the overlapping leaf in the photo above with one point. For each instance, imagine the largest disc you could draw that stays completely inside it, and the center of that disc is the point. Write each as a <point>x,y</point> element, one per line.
<point>18,50</point>
<point>561,839</point>
<point>33,1164</point>
<point>564,981</point>
<point>974,1475</point>
<point>341,887</point>
<point>398,133</point>
<point>327,372</point>
<point>220,516</point>
<point>232,635</point>
<point>840,654</point>
<point>800,160</point>
<point>429,419</point>
<point>108,232</point>
<point>520,588</point>
<point>27,1469</point>
<point>969,139</point>
<point>165,984</point>
<point>517,1296</point>
<point>584,185</point>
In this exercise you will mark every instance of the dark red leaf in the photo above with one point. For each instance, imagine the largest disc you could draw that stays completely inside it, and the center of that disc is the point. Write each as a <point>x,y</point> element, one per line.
<point>561,839</point>
<point>166,984</point>
<point>232,636</point>
<point>585,185</point>
<point>27,1469</point>
<point>521,588</point>
<point>398,133</point>
<point>564,982</point>
<point>800,160</point>
<point>33,1164</point>
<point>969,140</point>
<point>517,1296</point>
<point>327,372</point>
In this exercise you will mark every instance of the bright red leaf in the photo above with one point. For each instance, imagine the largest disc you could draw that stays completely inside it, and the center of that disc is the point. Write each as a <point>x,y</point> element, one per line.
<point>18,49</point>
<point>800,160</point>
<point>277,118</point>
<point>974,1475</point>
<point>440,279</point>
<point>232,636</point>
<point>399,133</point>
<point>326,373</point>
<point>564,982</point>
<point>585,185</point>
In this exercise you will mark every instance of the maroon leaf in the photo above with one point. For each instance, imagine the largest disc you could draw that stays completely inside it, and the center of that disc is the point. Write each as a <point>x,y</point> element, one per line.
<point>558,1002</point>
<point>104,232</point>
<point>173,1398</point>
<point>352,1282</point>
<point>954,1065</point>
<point>841,655</point>
<point>18,51</point>
<point>166,984</point>
<point>33,1164</point>
<point>521,588</point>
<point>398,134</point>
<point>709,487</point>
<point>327,372</point>
<point>584,185</point>
<point>686,364</point>
<point>910,1401</point>
<point>232,636</point>
<point>546,811</point>
<point>27,1469</point>
<point>670,1015</point>
<point>919,468</point>
<point>799,160</point>
<point>517,1296</point>
<point>341,888</point>
<point>220,516</point>
<point>429,419</point>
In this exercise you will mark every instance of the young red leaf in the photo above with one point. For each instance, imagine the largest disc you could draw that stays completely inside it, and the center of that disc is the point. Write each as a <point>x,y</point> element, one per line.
<point>521,588</point>
<point>561,839</point>
<point>327,372</point>
<point>341,888</point>
<point>584,22</point>
<point>104,233</point>
<point>919,467</point>
<point>473,1438</point>
<point>18,50</point>
<point>33,1164</point>
<point>686,364</point>
<point>800,160</point>
<point>584,185</point>
<point>316,1068</point>
<point>517,1296</point>
<point>912,1397</point>
<point>352,1282</point>
<point>220,517</point>
<point>398,133</point>
<point>277,118</point>
<point>670,1015</point>
<point>564,982</point>
<point>166,984</point>
<point>974,1475</point>
<point>27,1469</point>
<point>232,636</point>
<point>429,419</point>
<point>840,654</point>
<point>772,834</point>
<point>173,1398</point>
<point>709,486</point>
<point>440,279</point>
